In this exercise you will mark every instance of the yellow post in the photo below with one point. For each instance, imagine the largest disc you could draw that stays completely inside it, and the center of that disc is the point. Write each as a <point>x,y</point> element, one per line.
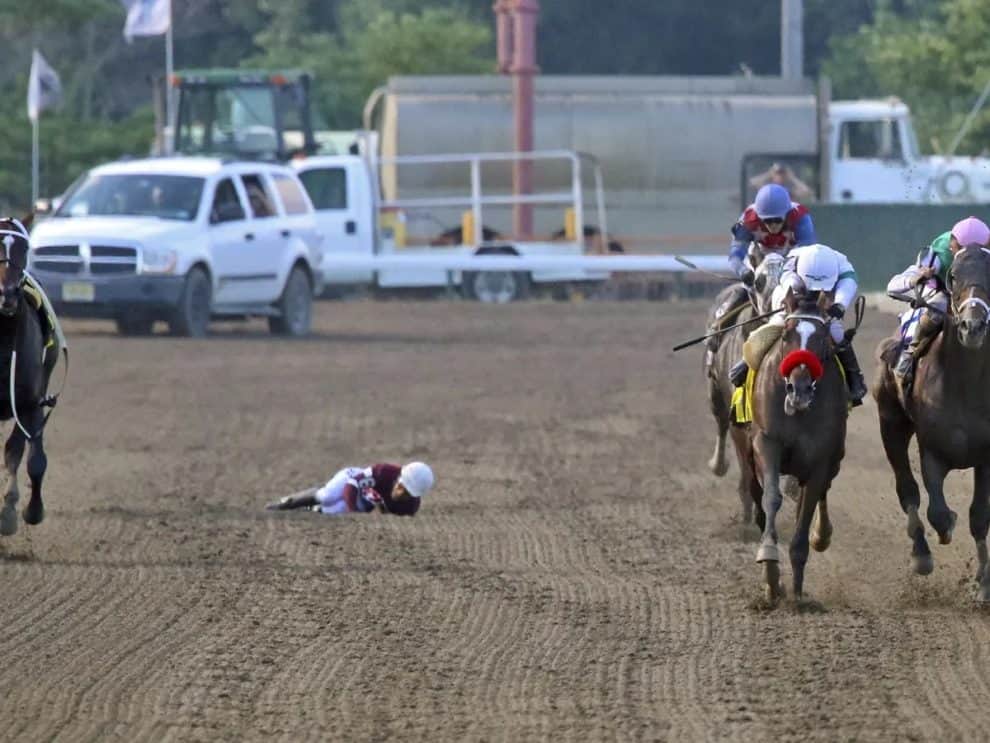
<point>570,223</point>
<point>467,227</point>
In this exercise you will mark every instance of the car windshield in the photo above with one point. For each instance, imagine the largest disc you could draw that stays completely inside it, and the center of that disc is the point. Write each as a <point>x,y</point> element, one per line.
<point>135,195</point>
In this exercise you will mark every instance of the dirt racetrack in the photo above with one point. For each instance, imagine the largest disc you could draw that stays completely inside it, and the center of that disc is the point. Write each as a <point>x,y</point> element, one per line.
<point>576,575</point>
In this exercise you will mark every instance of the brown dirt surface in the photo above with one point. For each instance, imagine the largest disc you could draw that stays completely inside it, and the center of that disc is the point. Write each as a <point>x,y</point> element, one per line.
<point>577,574</point>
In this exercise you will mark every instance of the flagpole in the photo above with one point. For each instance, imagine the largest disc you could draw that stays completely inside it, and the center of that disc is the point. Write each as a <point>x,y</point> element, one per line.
<point>169,66</point>
<point>34,162</point>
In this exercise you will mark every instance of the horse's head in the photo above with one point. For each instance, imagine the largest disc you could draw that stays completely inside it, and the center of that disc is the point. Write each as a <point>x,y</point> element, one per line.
<point>14,244</point>
<point>804,348</point>
<point>768,275</point>
<point>969,285</point>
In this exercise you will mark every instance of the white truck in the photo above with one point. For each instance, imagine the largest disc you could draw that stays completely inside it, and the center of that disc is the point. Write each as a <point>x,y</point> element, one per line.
<point>182,240</point>
<point>356,220</point>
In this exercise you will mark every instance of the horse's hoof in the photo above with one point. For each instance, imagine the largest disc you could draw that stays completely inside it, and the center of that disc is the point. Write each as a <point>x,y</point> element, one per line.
<point>718,466</point>
<point>768,553</point>
<point>923,564</point>
<point>8,520</point>
<point>945,537</point>
<point>821,542</point>
<point>34,515</point>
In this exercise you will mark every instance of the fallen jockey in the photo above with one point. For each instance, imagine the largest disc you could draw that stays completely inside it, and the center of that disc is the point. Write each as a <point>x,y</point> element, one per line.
<point>771,224</point>
<point>810,271</point>
<point>386,488</point>
<point>925,279</point>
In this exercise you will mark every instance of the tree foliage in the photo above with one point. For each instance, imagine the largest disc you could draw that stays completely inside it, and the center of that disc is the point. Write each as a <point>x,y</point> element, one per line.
<point>933,56</point>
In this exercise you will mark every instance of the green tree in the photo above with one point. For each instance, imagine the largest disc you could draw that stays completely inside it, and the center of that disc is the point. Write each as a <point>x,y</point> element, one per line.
<point>933,56</point>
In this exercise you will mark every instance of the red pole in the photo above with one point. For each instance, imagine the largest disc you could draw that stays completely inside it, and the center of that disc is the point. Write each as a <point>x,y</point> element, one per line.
<point>523,69</point>
<point>503,35</point>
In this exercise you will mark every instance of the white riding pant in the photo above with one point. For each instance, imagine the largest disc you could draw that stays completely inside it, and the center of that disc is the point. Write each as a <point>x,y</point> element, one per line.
<point>331,496</point>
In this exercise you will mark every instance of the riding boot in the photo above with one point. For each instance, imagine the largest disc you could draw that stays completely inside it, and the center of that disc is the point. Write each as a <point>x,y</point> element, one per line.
<point>306,499</point>
<point>854,375</point>
<point>738,373</point>
<point>929,324</point>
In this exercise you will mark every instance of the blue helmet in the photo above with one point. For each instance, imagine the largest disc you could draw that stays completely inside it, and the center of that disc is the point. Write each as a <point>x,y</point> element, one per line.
<point>772,202</point>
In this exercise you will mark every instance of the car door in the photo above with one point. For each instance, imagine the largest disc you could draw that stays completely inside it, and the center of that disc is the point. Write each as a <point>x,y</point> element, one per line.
<point>870,166</point>
<point>257,275</point>
<point>299,230</point>
<point>229,230</point>
<point>332,190</point>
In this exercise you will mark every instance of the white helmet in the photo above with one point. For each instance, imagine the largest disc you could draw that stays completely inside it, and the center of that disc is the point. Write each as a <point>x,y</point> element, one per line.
<point>818,267</point>
<point>417,478</point>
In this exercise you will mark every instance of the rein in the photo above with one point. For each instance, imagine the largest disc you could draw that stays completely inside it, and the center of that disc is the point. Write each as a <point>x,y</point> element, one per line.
<point>971,302</point>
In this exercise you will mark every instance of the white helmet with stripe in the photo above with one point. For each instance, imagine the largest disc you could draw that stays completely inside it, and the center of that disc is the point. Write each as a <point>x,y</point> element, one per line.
<point>818,267</point>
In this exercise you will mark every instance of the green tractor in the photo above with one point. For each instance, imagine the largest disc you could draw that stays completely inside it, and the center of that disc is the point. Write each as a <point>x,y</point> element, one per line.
<point>245,114</point>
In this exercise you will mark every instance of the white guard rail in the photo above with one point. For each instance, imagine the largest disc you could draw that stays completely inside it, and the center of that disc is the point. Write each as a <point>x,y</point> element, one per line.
<point>460,262</point>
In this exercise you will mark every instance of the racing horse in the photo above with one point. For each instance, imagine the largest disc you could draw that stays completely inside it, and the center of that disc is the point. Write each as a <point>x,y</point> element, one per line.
<point>799,405</point>
<point>720,388</point>
<point>23,357</point>
<point>949,412</point>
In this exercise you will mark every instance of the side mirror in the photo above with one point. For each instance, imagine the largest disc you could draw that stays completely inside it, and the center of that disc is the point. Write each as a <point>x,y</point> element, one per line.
<point>44,206</point>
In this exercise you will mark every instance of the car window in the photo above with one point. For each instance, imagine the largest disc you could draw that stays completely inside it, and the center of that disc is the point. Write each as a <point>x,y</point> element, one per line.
<point>135,195</point>
<point>227,205</point>
<point>262,204</point>
<point>327,187</point>
<point>869,140</point>
<point>293,199</point>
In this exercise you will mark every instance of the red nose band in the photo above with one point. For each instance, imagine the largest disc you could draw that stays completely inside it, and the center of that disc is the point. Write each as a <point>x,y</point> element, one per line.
<point>802,356</point>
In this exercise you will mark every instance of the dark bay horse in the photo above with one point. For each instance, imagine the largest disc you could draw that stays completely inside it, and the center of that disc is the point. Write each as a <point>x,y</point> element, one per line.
<point>800,405</point>
<point>949,412</point>
<point>720,388</point>
<point>21,331</point>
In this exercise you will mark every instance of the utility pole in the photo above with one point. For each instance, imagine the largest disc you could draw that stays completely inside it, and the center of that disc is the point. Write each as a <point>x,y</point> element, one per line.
<point>516,45</point>
<point>792,39</point>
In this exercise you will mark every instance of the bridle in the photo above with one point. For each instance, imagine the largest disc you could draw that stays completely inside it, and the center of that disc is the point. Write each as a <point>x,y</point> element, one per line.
<point>822,322</point>
<point>971,300</point>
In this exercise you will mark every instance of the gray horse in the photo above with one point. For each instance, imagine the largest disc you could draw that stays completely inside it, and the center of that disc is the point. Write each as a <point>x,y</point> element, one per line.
<point>800,406</point>
<point>949,411</point>
<point>720,388</point>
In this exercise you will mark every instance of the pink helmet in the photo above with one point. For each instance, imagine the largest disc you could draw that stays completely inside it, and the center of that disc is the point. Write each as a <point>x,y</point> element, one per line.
<point>971,231</point>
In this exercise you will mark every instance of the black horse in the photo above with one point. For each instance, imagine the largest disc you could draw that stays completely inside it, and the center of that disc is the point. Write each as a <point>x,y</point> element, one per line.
<point>23,354</point>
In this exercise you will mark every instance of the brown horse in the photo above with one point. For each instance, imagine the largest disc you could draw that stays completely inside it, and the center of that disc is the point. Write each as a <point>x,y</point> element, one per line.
<point>21,331</point>
<point>949,411</point>
<point>799,428</point>
<point>720,388</point>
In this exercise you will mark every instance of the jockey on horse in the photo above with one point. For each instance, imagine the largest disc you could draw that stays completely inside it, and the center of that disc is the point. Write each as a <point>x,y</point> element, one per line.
<point>925,279</point>
<point>771,224</point>
<point>821,273</point>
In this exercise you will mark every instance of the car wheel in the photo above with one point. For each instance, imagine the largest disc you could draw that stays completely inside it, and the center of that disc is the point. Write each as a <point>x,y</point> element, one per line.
<point>295,306</point>
<point>136,323</point>
<point>496,287</point>
<point>191,318</point>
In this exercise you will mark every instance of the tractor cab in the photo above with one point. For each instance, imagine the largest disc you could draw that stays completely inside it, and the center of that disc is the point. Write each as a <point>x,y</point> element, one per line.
<point>244,114</point>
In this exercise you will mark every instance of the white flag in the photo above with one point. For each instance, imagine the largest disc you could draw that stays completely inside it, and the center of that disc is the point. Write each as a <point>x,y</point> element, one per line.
<point>147,17</point>
<point>44,87</point>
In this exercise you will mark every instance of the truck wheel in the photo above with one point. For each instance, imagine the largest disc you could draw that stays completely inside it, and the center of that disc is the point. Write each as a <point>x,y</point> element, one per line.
<point>295,306</point>
<point>191,318</point>
<point>136,323</point>
<point>495,287</point>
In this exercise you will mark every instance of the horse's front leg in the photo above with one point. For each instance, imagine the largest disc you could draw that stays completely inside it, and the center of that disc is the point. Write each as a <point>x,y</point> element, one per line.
<point>37,463</point>
<point>821,531</point>
<point>718,463</point>
<point>896,432</point>
<point>13,451</point>
<point>769,454</point>
<point>940,516</point>
<point>811,496</point>
<point>979,524</point>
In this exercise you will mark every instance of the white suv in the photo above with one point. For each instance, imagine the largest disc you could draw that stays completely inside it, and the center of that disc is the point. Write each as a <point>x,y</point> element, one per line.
<point>182,239</point>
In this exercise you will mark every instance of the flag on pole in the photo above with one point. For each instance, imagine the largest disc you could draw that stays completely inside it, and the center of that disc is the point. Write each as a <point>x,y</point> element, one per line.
<point>147,17</point>
<point>44,87</point>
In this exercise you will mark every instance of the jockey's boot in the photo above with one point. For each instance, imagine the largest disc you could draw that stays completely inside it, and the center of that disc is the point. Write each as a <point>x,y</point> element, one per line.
<point>854,375</point>
<point>306,499</point>
<point>738,372</point>
<point>928,326</point>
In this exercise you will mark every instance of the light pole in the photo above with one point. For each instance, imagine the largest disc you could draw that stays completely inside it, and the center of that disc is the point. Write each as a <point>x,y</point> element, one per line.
<point>792,39</point>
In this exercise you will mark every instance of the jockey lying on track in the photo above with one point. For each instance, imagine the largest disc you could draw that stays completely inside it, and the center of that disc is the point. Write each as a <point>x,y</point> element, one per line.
<point>927,277</point>
<point>771,224</point>
<point>385,487</point>
<point>809,272</point>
